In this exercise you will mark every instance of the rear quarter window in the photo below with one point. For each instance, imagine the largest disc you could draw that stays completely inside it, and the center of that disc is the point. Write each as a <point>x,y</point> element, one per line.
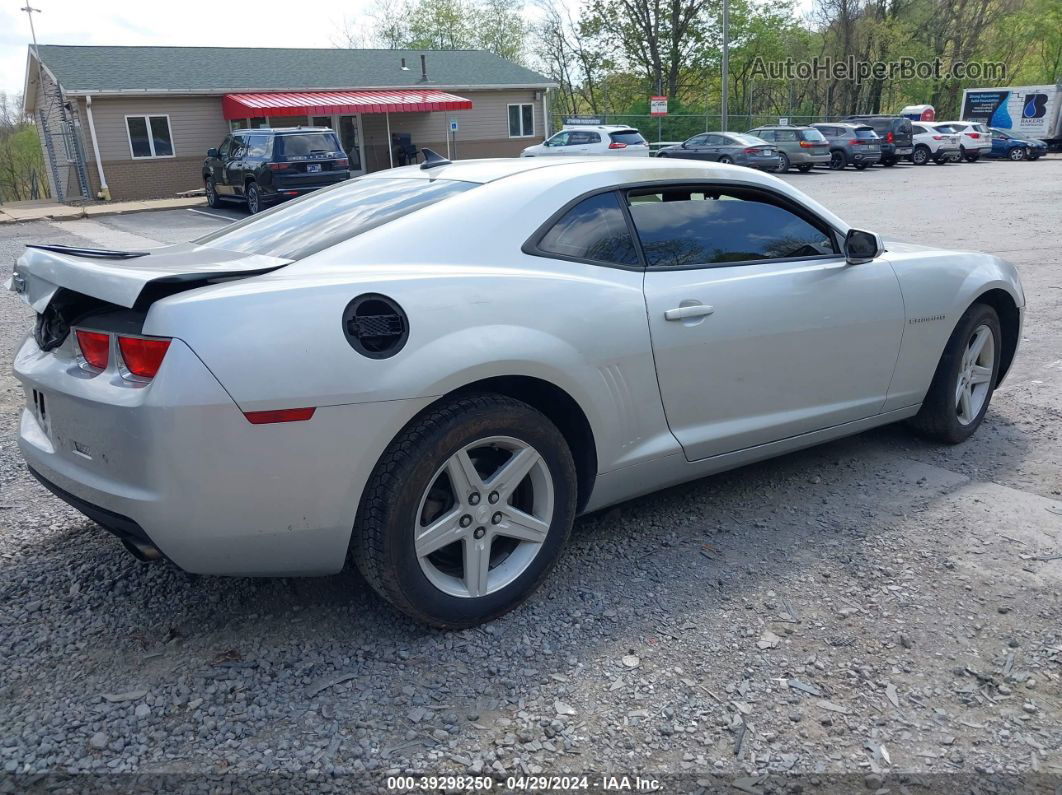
<point>629,137</point>
<point>593,230</point>
<point>812,135</point>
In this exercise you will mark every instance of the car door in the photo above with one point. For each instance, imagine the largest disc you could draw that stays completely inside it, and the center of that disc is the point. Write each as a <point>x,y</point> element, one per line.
<point>760,329</point>
<point>714,147</point>
<point>696,148</point>
<point>217,168</point>
<point>556,144</point>
<point>578,143</point>
<point>233,165</point>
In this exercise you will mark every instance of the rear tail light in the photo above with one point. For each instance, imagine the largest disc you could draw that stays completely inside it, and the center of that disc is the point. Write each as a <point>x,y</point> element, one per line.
<point>752,150</point>
<point>143,356</point>
<point>95,348</point>
<point>279,166</point>
<point>806,144</point>
<point>343,163</point>
<point>617,145</point>
<point>889,138</point>
<point>855,142</point>
<point>974,135</point>
<point>938,137</point>
<point>279,415</point>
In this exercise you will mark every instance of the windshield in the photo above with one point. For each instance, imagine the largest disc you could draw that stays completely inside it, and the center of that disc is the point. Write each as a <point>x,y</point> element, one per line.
<point>310,144</point>
<point>812,135</point>
<point>329,216</point>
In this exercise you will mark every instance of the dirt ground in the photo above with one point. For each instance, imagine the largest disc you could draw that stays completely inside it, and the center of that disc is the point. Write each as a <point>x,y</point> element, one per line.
<point>877,613</point>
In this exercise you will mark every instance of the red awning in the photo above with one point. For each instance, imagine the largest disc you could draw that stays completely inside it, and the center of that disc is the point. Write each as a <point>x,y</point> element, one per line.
<point>325,103</point>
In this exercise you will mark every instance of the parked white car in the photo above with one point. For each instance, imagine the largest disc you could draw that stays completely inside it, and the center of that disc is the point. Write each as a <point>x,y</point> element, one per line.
<point>600,139</point>
<point>432,370</point>
<point>933,144</point>
<point>975,140</point>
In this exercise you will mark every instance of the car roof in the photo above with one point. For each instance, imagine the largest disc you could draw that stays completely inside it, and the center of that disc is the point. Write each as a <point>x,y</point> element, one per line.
<point>612,127</point>
<point>784,126</point>
<point>280,130</point>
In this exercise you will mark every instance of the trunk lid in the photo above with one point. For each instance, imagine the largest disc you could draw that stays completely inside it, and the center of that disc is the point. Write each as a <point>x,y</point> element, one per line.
<point>128,279</point>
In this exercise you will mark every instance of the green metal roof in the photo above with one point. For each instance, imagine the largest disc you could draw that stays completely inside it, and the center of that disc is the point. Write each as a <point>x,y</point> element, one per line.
<point>225,69</point>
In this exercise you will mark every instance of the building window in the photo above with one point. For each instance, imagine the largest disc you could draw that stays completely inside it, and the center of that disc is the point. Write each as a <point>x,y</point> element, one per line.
<point>521,121</point>
<point>149,136</point>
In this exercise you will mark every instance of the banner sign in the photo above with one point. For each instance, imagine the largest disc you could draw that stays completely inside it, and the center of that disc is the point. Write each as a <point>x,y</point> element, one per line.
<point>657,106</point>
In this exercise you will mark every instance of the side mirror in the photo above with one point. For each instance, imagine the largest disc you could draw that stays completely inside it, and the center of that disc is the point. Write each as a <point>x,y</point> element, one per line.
<point>212,151</point>
<point>860,246</point>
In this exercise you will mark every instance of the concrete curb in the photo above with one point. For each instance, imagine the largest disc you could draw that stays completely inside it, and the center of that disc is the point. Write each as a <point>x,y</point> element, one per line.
<point>67,213</point>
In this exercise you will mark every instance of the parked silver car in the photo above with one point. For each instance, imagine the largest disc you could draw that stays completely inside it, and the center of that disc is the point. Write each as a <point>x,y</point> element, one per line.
<point>803,147</point>
<point>726,147</point>
<point>855,145</point>
<point>435,368</point>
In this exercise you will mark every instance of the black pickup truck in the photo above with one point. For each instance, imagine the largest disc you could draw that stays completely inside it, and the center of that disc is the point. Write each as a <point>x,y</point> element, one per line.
<point>264,166</point>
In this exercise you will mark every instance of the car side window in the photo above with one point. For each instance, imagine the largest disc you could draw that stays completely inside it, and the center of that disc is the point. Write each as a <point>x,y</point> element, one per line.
<point>917,130</point>
<point>715,140</point>
<point>223,150</point>
<point>697,140</point>
<point>578,138</point>
<point>560,139</point>
<point>767,135</point>
<point>785,135</point>
<point>593,138</point>
<point>690,227</point>
<point>593,230</point>
<point>238,145</point>
<point>259,146</point>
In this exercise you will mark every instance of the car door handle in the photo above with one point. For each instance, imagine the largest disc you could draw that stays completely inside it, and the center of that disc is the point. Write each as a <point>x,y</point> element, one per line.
<point>684,312</point>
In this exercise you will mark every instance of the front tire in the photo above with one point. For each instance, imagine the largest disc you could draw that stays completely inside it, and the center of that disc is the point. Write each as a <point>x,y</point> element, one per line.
<point>837,161</point>
<point>467,511</point>
<point>211,193</point>
<point>965,379</point>
<point>1017,154</point>
<point>804,169</point>
<point>725,160</point>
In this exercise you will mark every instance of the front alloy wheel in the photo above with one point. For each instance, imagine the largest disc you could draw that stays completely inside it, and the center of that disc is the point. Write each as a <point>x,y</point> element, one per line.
<point>965,378</point>
<point>1017,153</point>
<point>467,510</point>
<point>254,201</point>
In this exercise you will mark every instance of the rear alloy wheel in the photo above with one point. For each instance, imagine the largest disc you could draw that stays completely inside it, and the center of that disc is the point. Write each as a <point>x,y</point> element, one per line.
<point>726,159</point>
<point>804,169</point>
<point>837,161</point>
<point>783,163</point>
<point>1017,153</point>
<point>211,192</point>
<point>467,511</point>
<point>920,156</point>
<point>965,378</point>
<point>254,200</point>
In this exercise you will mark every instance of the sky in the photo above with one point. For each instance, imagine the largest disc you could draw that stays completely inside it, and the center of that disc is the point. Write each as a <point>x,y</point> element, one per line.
<point>263,23</point>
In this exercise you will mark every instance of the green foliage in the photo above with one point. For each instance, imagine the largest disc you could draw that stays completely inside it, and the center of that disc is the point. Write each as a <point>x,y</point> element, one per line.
<point>494,25</point>
<point>21,162</point>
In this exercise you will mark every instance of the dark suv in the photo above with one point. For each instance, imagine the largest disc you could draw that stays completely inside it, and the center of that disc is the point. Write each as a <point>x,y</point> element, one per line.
<point>896,143</point>
<point>264,166</point>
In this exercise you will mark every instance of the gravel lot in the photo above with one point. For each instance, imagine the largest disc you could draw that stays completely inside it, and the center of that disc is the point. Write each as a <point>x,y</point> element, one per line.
<point>873,607</point>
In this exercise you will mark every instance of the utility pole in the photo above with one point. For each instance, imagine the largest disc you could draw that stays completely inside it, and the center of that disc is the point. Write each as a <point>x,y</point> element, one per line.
<point>726,62</point>
<point>30,11</point>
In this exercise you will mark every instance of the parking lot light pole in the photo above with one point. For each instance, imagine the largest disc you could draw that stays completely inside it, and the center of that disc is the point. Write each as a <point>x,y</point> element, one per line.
<point>726,63</point>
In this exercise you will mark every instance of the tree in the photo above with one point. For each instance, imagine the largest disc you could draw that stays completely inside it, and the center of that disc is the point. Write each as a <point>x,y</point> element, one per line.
<point>21,162</point>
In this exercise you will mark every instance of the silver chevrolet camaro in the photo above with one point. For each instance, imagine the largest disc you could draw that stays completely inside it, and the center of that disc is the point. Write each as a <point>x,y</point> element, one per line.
<point>434,369</point>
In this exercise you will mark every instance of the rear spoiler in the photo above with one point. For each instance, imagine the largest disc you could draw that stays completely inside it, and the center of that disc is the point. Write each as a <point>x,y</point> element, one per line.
<point>77,251</point>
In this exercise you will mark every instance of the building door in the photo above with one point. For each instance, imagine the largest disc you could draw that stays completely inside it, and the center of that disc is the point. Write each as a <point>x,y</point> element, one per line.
<point>350,138</point>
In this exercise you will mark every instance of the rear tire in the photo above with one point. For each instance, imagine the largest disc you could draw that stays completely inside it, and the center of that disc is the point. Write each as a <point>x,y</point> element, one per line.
<point>920,156</point>
<point>950,412</point>
<point>804,169</point>
<point>725,159</point>
<point>254,199</point>
<point>411,491</point>
<point>783,163</point>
